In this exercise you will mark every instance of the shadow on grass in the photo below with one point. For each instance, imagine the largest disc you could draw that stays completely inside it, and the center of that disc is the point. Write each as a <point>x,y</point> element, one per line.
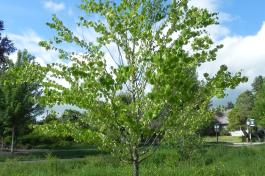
<point>31,155</point>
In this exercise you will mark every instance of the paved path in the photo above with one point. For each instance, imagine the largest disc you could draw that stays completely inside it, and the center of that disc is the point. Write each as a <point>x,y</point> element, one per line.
<point>237,144</point>
<point>240,144</point>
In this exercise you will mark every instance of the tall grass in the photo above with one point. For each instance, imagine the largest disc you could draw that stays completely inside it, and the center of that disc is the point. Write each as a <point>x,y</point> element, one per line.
<point>212,161</point>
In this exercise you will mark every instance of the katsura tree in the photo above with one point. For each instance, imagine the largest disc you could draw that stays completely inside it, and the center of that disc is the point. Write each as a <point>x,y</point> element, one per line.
<point>152,93</point>
<point>20,90</point>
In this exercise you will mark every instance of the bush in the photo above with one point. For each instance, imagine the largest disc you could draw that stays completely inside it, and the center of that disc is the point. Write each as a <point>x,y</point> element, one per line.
<point>38,141</point>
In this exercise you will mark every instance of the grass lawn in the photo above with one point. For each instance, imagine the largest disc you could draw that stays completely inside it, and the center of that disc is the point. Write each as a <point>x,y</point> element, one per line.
<point>215,160</point>
<point>226,139</point>
<point>42,154</point>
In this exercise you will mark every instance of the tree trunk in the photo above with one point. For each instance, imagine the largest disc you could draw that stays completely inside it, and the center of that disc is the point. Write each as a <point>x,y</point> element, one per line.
<point>136,168</point>
<point>2,143</point>
<point>136,163</point>
<point>12,142</point>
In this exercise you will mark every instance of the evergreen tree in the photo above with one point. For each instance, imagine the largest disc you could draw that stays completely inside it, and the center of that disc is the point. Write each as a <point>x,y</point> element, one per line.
<point>6,47</point>
<point>19,101</point>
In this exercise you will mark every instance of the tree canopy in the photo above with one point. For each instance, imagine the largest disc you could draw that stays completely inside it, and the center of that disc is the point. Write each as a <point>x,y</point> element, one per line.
<point>6,46</point>
<point>259,103</point>
<point>152,93</point>
<point>242,109</point>
<point>19,97</point>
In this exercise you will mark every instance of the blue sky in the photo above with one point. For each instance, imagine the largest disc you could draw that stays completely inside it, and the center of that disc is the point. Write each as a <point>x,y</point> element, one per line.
<point>241,30</point>
<point>247,15</point>
<point>20,16</point>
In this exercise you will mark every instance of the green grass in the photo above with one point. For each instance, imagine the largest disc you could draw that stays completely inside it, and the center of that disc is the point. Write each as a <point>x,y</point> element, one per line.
<point>41,154</point>
<point>225,139</point>
<point>212,161</point>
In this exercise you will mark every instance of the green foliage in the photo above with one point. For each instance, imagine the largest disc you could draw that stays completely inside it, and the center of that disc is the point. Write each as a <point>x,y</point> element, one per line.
<point>257,84</point>
<point>71,115</point>
<point>6,48</point>
<point>153,68</point>
<point>249,105</point>
<point>19,92</point>
<point>242,110</point>
<point>259,105</point>
<point>188,147</point>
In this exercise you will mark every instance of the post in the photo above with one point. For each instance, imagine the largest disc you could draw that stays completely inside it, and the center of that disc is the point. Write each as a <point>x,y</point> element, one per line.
<point>250,123</point>
<point>217,137</point>
<point>216,129</point>
<point>250,136</point>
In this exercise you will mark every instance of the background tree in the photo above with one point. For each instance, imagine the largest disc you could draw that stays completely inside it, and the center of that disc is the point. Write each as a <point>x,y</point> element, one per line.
<point>259,105</point>
<point>229,105</point>
<point>242,110</point>
<point>257,84</point>
<point>2,131</point>
<point>19,97</point>
<point>71,115</point>
<point>6,47</point>
<point>153,68</point>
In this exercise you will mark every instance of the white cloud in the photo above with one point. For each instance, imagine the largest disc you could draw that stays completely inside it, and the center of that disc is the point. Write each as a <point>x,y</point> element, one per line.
<point>220,31</point>
<point>244,53</point>
<point>239,52</point>
<point>53,6</point>
<point>30,40</point>
<point>211,5</point>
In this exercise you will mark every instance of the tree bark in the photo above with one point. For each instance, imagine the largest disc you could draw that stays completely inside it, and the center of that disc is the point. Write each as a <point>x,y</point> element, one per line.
<point>12,142</point>
<point>2,143</point>
<point>136,168</point>
<point>136,163</point>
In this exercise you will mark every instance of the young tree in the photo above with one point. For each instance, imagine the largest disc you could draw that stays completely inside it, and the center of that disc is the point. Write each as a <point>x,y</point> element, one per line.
<point>6,47</point>
<point>159,46</point>
<point>19,105</point>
